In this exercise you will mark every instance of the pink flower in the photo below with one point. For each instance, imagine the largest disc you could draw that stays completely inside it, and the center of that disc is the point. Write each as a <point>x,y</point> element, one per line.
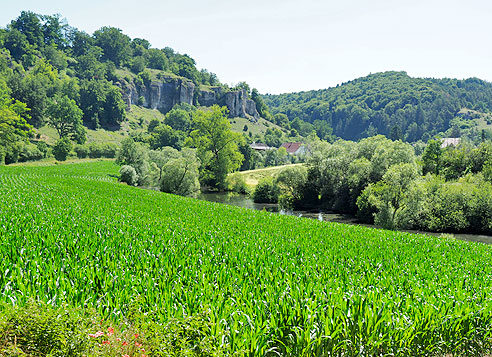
<point>105,342</point>
<point>118,339</point>
<point>97,334</point>
<point>125,356</point>
<point>138,344</point>
<point>110,331</point>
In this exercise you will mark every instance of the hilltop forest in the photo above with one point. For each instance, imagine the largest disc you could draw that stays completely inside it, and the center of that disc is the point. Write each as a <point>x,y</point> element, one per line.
<point>393,104</point>
<point>53,74</point>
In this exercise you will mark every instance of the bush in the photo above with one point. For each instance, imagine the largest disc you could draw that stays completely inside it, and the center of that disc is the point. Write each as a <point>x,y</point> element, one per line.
<point>128,175</point>
<point>236,183</point>
<point>267,191</point>
<point>96,150</point>
<point>30,152</point>
<point>43,147</point>
<point>62,148</point>
<point>82,151</point>
<point>40,330</point>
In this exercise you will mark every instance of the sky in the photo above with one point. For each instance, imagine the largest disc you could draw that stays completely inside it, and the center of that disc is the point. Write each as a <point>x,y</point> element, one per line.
<point>280,46</point>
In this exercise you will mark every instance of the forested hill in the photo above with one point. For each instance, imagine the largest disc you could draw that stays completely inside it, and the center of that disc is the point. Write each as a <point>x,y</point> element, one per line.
<point>43,59</point>
<point>393,104</point>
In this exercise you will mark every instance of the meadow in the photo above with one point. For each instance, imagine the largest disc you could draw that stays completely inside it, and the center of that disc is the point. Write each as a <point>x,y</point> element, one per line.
<point>270,284</point>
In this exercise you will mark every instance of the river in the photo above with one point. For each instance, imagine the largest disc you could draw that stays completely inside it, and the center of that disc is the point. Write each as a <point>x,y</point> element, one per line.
<point>245,201</point>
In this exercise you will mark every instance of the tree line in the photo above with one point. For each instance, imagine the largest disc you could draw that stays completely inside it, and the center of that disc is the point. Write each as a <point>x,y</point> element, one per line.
<point>384,182</point>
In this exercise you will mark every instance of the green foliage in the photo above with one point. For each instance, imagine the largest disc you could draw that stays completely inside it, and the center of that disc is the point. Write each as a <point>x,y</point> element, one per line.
<point>135,155</point>
<point>62,148</point>
<point>267,191</point>
<point>236,183</point>
<point>38,329</point>
<point>101,103</point>
<point>180,175</point>
<point>128,175</point>
<point>389,103</point>
<point>265,283</point>
<point>291,181</point>
<point>66,117</point>
<point>216,144</point>
<point>115,44</point>
<point>163,135</point>
<point>387,197</point>
<point>13,127</point>
<point>339,172</point>
<point>432,157</point>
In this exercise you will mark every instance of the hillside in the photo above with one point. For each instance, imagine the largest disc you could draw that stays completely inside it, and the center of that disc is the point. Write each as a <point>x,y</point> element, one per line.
<point>58,81</point>
<point>265,282</point>
<point>394,104</point>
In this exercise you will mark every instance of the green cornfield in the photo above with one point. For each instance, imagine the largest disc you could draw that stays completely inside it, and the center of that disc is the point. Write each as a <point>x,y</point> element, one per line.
<point>272,284</point>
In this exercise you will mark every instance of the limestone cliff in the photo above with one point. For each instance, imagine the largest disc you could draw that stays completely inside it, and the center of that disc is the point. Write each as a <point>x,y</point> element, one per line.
<point>236,101</point>
<point>164,93</point>
<point>161,94</point>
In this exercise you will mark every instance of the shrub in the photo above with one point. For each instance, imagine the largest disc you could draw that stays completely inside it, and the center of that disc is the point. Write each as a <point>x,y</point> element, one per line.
<point>30,152</point>
<point>236,183</point>
<point>43,147</point>
<point>108,150</point>
<point>180,176</point>
<point>267,191</point>
<point>128,175</point>
<point>62,148</point>
<point>82,151</point>
<point>40,330</point>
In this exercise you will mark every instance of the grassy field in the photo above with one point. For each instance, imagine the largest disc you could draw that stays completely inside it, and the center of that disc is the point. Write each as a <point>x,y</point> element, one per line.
<point>237,125</point>
<point>252,177</point>
<point>270,284</point>
<point>50,135</point>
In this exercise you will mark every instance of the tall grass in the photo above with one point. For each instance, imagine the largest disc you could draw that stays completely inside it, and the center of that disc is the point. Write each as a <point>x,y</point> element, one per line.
<point>270,284</point>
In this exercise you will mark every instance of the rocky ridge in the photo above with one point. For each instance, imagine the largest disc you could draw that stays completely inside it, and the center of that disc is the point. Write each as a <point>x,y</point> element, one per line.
<point>168,91</point>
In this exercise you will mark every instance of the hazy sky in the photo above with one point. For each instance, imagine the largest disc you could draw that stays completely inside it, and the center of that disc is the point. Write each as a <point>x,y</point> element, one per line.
<point>290,45</point>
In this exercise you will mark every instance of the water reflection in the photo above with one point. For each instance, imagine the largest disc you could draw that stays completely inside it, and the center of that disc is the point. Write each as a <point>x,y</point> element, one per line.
<point>246,202</point>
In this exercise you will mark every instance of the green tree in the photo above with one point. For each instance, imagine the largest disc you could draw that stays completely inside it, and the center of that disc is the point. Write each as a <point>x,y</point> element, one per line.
<point>164,135</point>
<point>161,156</point>
<point>13,126</point>
<point>62,148</point>
<point>115,44</point>
<point>180,176</point>
<point>432,157</point>
<point>217,145</point>
<point>179,119</point>
<point>135,155</point>
<point>291,181</point>
<point>66,117</point>
<point>388,195</point>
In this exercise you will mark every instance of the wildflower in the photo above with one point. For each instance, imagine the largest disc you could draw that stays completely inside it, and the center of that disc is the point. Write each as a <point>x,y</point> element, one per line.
<point>124,343</point>
<point>118,339</point>
<point>105,342</point>
<point>125,356</point>
<point>110,331</point>
<point>136,335</point>
<point>138,344</point>
<point>97,334</point>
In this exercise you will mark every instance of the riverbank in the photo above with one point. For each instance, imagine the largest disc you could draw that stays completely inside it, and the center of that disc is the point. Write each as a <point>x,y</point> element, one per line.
<point>245,201</point>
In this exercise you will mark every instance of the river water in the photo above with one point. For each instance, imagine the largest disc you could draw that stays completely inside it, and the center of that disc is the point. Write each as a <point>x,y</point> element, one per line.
<point>246,202</point>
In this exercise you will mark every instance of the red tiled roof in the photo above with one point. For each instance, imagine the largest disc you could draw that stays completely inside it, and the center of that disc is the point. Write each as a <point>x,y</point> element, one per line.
<point>291,147</point>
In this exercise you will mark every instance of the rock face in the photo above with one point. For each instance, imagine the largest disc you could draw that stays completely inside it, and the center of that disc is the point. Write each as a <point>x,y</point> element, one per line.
<point>237,102</point>
<point>161,95</point>
<point>167,92</point>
